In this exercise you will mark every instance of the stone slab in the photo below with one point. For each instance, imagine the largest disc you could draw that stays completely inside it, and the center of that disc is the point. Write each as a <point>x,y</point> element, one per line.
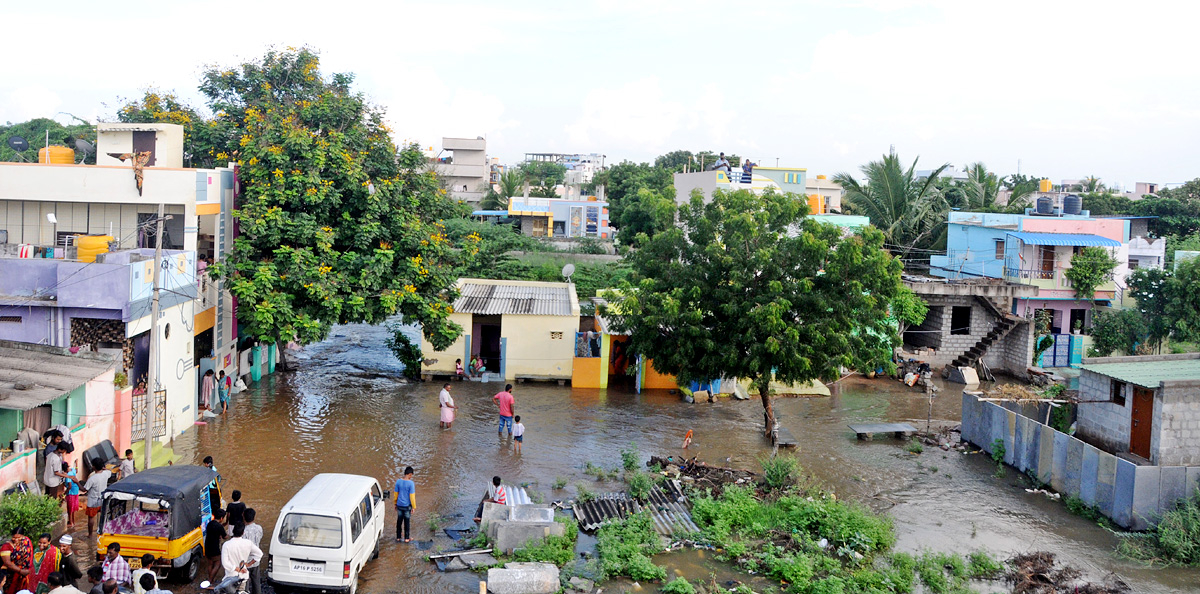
<point>456,565</point>
<point>1045,453</point>
<point>1122,512</point>
<point>1074,465</point>
<point>531,512</point>
<point>509,536</point>
<point>1087,474</point>
<point>581,584</point>
<point>1145,496</point>
<point>493,512</point>
<point>1058,474</point>
<point>1106,482</point>
<point>1193,480</point>
<point>1172,486</point>
<point>478,560</point>
<point>523,578</point>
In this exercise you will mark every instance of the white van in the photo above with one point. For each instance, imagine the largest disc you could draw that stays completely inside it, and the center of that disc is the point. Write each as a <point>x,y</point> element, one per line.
<point>326,533</point>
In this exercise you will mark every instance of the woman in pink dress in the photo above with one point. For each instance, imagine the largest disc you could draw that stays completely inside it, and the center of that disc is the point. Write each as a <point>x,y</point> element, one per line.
<point>447,405</point>
<point>207,387</point>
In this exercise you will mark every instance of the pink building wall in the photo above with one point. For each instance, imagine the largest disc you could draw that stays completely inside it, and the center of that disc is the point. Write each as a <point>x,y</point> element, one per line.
<point>1111,228</point>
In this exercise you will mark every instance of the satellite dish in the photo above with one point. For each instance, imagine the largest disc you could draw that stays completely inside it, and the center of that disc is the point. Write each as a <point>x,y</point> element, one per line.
<point>84,146</point>
<point>18,144</point>
<point>568,270</point>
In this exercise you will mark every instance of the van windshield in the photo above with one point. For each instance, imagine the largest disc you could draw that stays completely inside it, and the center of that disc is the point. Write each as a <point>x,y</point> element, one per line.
<point>308,530</point>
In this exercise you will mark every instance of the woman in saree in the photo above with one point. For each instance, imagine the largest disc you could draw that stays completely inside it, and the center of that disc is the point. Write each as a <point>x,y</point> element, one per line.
<point>46,559</point>
<point>16,555</point>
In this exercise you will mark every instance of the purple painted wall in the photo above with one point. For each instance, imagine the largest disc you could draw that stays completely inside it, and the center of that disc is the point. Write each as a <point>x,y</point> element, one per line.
<point>96,291</point>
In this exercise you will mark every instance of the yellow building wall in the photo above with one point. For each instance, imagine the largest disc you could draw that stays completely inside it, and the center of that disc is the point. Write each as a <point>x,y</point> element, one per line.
<point>653,380</point>
<point>532,352</point>
<point>585,372</point>
<point>445,359</point>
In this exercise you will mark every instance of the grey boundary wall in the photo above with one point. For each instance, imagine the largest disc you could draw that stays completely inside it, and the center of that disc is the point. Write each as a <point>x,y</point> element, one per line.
<point>1132,496</point>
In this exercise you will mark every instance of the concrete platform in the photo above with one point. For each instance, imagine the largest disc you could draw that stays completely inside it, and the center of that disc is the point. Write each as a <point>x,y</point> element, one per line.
<point>899,430</point>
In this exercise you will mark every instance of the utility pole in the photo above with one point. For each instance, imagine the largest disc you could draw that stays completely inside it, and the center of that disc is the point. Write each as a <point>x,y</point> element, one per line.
<point>153,385</point>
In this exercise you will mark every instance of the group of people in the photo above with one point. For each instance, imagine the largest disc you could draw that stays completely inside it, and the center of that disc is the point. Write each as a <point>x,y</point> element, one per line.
<point>722,164</point>
<point>406,501</point>
<point>43,568</point>
<point>60,478</point>
<point>475,368</point>
<point>504,405</point>
<point>232,542</point>
<point>214,391</point>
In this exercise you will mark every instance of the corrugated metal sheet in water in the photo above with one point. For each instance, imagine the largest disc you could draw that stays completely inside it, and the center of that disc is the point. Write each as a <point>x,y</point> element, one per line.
<point>513,299</point>
<point>667,507</point>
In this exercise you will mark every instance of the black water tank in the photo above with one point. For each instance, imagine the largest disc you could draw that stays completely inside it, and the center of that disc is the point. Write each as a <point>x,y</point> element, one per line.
<point>1072,204</point>
<point>1045,205</point>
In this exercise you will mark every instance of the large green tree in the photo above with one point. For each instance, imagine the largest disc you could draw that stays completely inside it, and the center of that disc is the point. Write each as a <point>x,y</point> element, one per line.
<point>337,223</point>
<point>543,177</point>
<point>645,214</point>
<point>981,188</point>
<point>35,132</point>
<point>747,287</point>
<point>908,209</point>
<point>203,143</point>
<point>623,181</point>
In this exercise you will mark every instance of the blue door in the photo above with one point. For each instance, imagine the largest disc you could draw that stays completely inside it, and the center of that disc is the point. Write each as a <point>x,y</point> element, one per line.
<point>1058,355</point>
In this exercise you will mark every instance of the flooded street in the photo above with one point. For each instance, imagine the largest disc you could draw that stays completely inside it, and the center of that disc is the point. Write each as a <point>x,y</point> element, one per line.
<point>342,411</point>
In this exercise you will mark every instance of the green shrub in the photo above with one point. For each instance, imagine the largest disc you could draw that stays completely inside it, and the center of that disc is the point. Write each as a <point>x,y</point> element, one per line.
<point>33,514</point>
<point>639,485</point>
<point>625,547</point>
<point>558,550</point>
<point>780,471</point>
<point>679,585</point>
<point>981,565</point>
<point>1078,507</point>
<point>630,458</point>
<point>1176,538</point>
<point>559,483</point>
<point>914,447</point>
<point>583,493</point>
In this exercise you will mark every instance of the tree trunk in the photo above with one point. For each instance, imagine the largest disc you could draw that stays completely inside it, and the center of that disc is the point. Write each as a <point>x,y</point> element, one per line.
<point>764,392</point>
<point>280,347</point>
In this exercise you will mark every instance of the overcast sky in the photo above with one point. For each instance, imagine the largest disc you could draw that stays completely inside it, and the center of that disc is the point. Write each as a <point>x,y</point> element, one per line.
<point>1069,89</point>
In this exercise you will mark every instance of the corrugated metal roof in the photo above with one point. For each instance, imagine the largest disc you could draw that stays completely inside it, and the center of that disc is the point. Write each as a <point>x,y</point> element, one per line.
<point>1075,239</point>
<point>32,375</point>
<point>666,505</point>
<point>488,299</point>
<point>1149,373</point>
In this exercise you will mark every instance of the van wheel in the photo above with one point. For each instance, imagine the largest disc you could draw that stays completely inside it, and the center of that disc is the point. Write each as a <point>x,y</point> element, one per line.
<point>353,584</point>
<point>375,553</point>
<point>188,572</point>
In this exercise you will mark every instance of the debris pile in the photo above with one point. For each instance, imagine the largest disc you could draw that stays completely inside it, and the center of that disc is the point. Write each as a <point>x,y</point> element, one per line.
<point>702,475</point>
<point>1037,573</point>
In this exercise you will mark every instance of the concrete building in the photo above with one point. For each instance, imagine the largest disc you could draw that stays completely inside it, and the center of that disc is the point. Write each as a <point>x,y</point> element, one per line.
<point>971,320</point>
<point>581,168</point>
<point>519,329</point>
<point>467,172</point>
<point>778,179</point>
<point>830,194</point>
<point>43,387</point>
<point>1035,249</point>
<point>556,217</point>
<point>62,297</point>
<point>1146,406</point>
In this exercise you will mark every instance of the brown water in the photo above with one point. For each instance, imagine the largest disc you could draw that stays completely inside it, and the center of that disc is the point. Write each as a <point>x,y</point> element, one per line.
<point>341,412</point>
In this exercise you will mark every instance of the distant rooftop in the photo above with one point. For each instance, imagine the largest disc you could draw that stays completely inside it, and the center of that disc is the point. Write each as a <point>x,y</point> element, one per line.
<point>489,297</point>
<point>32,375</point>
<point>1148,371</point>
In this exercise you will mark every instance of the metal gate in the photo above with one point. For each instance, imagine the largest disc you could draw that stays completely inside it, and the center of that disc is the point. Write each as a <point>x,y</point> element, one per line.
<point>138,418</point>
<point>1058,355</point>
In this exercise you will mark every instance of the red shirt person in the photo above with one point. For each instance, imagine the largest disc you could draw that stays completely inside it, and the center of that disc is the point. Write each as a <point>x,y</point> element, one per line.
<point>504,401</point>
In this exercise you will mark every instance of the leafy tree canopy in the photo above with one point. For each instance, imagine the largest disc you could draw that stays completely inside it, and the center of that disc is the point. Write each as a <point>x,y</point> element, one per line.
<point>34,131</point>
<point>543,176</point>
<point>747,287</point>
<point>623,180</point>
<point>338,224</point>
<point>1188,192</point>
<point>200,139</point>
<point>1090,268</point>
<point>676,161</point>
<point>646,213</point>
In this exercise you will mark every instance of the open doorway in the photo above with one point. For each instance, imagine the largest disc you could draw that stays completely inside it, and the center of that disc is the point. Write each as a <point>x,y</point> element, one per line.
<point>487,344</point>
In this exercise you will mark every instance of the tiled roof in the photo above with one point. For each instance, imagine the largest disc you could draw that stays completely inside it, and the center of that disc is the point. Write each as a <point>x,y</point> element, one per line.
<point>490,299</point>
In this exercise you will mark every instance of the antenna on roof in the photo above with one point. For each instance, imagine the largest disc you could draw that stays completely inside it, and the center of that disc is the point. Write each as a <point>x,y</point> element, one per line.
<point>568,270</point>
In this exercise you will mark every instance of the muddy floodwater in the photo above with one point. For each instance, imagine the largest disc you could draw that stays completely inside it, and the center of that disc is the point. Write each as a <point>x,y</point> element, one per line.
<point>343,410</point>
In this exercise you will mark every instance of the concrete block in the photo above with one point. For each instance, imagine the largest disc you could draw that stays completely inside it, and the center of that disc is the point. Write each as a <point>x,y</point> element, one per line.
<point>581,584</point>
<point>963,375</point>
<point>1106,482</point>
<point>493,512</point>
<point>1010,437</point>
<point>1172,487</point>
<point>1145,497</point>
<point>509,535</point>
<point>531,512</point>
<point>1020,443</point>
<point>1087,474</point>
<point>969,404</point>
<point>1123,493</point>
<point>1074,465</point>
<point>478,560</point>
<point>523,578</point>
<point>1193,480</point>
<point>1045,453</point>
<point>1058,474</point>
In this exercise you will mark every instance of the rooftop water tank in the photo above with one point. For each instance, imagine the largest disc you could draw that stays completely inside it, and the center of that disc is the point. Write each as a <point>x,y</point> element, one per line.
<point>1044,185</point>
<point>1072,204</point>
<point>1045,205</point>
<point>91,246</point>
<point>58,155</point>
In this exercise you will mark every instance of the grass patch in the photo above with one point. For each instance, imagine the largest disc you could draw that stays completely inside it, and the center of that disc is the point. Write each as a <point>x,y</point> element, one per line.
<point>583,493</point>
<point>679,585</point>
<point>625,547</point>
<point>559,483</point>
<point>630,458</point>
<point>914,446</point>
<point>558,550</point>
<point>780,471</point>
<point>639,484</point>
<point>1174,541</point>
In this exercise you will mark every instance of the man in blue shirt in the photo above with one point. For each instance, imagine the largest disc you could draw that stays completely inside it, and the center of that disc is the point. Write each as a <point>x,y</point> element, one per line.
<point>406,500</point>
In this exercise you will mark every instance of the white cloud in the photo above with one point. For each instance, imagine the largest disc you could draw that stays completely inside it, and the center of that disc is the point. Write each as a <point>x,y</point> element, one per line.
<point>28,102</point>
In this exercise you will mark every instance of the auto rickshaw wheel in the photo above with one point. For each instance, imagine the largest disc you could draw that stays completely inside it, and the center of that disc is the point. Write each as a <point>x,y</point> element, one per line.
<point>187,574</point>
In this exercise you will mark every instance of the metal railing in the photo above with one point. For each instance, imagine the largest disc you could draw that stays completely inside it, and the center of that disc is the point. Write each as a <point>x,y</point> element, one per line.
<point>1029,273</point>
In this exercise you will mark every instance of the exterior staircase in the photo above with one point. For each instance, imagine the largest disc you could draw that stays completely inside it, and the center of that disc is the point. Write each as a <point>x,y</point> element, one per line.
<point>1005,323</point>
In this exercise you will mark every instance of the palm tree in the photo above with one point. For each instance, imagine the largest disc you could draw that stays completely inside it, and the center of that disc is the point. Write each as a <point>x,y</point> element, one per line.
<point>511,183</point>
<point>981,188</point>
<point>1092,183</point>
<point>908,209</point>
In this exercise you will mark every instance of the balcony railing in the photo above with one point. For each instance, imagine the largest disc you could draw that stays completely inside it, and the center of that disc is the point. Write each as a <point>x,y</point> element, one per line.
<point>1051,279</point>
<point>1029,273</point>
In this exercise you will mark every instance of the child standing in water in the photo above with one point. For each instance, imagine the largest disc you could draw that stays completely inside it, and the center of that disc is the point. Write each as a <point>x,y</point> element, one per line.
<point>518,433</point>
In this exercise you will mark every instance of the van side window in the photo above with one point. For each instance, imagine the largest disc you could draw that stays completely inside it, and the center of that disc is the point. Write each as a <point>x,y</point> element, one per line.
<point>365,508</point>
<point>376,494</point>
<point>355,525</point>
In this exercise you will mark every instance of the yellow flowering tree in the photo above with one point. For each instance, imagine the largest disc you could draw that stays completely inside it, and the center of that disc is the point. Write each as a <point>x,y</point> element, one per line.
<point>336,223</point>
